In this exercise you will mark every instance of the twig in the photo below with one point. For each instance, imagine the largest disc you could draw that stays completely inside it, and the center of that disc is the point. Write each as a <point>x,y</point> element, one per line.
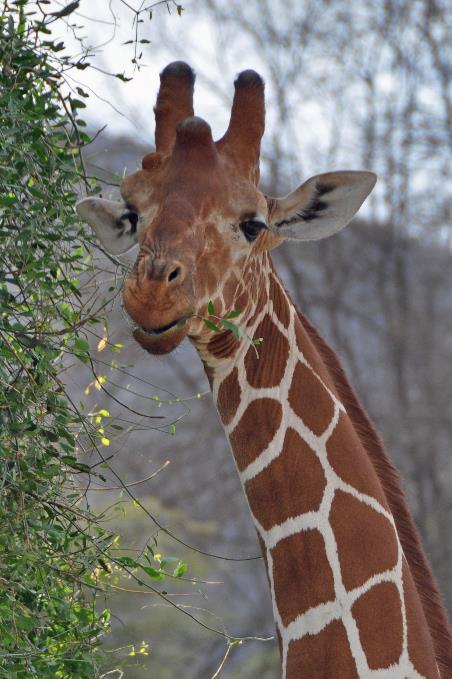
<point>129,485</point>
<point>226,656</point>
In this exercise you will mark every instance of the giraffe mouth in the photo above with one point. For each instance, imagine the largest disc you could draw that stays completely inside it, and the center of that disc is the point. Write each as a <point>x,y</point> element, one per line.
<point>180,322</point>
<point>161,339</point>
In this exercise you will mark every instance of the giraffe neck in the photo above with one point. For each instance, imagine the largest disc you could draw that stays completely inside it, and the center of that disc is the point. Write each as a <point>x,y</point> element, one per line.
<point>344,600</point>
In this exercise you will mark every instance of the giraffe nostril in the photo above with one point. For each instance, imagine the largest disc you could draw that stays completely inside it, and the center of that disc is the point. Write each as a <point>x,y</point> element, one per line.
<point>174,273</point>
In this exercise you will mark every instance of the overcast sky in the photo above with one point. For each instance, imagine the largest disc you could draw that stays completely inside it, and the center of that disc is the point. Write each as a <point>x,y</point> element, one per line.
<point>127,107</point>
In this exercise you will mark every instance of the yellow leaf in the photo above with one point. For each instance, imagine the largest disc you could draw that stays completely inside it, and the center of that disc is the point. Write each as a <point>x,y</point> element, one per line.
<point>105,441</point>
<point>102,343</point>
<point>144,648</point>
<point>98,381</point>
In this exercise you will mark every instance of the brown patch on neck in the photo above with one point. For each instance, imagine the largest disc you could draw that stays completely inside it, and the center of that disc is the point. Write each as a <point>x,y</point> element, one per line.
<point>322,655</point>
<point>345,455</point>
<point>309,399</point>
<point>295,595</point>
<point>292,484</point>
<point>378,615</point>
<point>366,541</point>
<point>223,344</point>
<point>426,586</point>
<point>228,399</point>
<point>255,430</point>
<point>265,368</point>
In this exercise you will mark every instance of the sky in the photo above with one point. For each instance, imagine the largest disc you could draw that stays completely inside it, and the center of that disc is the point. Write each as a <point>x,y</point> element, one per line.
<point>127,107</point>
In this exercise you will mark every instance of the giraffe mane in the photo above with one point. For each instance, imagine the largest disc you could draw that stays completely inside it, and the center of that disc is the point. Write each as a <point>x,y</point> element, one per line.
<point>389,477</point>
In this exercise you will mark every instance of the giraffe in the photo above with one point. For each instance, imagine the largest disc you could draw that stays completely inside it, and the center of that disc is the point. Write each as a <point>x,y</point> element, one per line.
<point>352,592</point>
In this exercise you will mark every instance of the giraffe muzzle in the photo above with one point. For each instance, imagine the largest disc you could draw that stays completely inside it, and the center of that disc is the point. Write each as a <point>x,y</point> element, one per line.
<point>164,328</point>
<point>161,340</point>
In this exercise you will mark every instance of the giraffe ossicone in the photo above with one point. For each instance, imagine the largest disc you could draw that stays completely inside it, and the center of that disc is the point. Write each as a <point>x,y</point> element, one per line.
<point>352,592</point>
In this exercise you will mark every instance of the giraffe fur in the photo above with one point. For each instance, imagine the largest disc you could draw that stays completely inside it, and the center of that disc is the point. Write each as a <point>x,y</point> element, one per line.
<point>352,592</point>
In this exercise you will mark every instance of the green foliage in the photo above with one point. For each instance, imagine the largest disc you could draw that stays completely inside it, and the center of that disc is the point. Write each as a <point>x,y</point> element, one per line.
<point>50,544</point>
<point>49,625</point>
<point>227,324</point>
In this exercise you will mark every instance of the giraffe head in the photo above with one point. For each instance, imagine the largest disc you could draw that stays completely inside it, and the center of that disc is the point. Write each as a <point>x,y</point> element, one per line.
<point>201,223</point>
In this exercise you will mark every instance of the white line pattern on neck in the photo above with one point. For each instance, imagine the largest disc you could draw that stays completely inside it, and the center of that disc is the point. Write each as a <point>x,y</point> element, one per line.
<point>318,617</point>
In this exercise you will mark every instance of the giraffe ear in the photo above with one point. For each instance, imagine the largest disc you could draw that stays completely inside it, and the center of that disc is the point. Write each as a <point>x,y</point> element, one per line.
<point>114,223</point>
<point>321,206</point>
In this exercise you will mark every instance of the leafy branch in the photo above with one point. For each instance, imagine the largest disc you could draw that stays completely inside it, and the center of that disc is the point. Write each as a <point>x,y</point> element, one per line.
<point>225,322</point>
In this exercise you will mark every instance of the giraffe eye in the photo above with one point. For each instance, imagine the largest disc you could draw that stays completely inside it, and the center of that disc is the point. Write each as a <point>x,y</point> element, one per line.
<point>251,229</point>
<point>133,220</point>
